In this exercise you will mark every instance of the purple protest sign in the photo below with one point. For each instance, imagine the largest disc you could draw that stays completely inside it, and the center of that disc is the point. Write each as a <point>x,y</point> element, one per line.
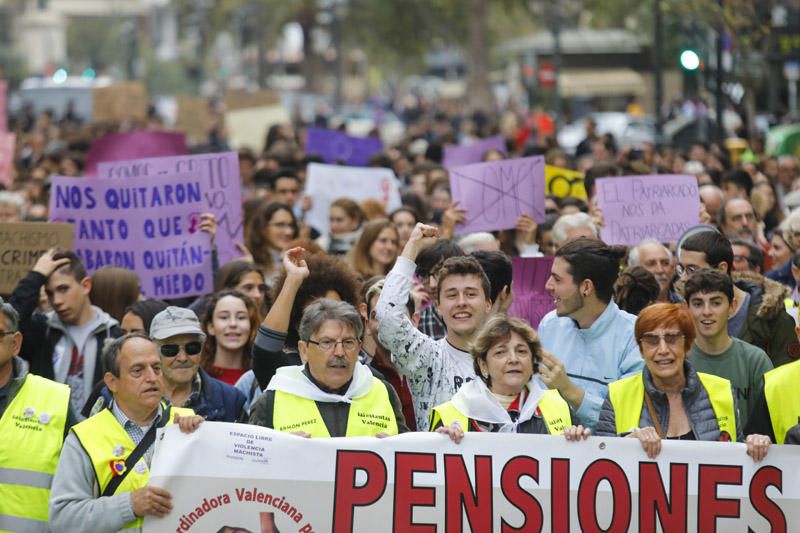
<point>222,194</point>
<point>335,146</point>
<point>495,194</point>
<point>149,227</point>
<point>8,142</point>
<point>132,145</point>
<point>658,207</point>
<point>456,155</point>
<point>531,300</point>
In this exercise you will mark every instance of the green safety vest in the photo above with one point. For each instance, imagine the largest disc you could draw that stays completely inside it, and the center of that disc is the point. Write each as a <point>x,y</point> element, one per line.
<point>783,399</point>
<point>108,445</point>
<point>31,436</point>
<point>627,398</point>
<point>369,414</point>
<point>554,409</point>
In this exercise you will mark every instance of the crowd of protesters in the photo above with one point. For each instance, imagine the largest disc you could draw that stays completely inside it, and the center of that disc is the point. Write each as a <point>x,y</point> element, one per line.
<point>387,322</point>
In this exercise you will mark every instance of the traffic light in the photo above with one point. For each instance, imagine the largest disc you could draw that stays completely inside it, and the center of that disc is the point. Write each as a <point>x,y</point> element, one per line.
<point>690,60</point>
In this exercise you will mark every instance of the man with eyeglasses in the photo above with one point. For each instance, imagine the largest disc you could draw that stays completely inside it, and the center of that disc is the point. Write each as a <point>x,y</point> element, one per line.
<point>738,220</point>
<point>177,333</point>
<point>757,315</point>
<point>332,394</point>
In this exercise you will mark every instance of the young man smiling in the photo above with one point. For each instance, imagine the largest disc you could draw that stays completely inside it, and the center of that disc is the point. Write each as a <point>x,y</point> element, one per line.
<point>709,295</point>
<point>435,369</point>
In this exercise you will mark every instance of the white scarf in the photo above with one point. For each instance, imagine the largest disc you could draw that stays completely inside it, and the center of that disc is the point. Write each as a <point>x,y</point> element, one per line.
<point>292,380</point>
<point>477,402</point>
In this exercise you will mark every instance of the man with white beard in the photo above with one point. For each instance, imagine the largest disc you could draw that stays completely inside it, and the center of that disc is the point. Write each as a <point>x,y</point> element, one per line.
<point>656,259</point>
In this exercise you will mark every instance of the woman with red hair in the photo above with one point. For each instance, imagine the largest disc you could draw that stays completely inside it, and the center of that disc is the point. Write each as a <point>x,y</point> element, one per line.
<point>669,399</point>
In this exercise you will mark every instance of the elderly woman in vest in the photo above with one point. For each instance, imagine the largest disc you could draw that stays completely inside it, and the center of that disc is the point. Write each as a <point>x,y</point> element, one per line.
<point>505,398</point>
<point>669,399</point>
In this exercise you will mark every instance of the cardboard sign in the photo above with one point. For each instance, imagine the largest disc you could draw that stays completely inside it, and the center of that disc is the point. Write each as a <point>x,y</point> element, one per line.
<point>247,127</point>
<point>121,101</point>
<point>336,146</point>
<point>222,194</point>
<point>194,118</point>
<point>660,207</point>
<point>327,183</point>
<point>531,300</point>
<point>497,193</point>
<point>240,99</point>
<point>8,143</point>
<point>21,245</point>
<point>456,155</point>
<point>148,226</point>
<point>134,145</point>
<point>562,182</point>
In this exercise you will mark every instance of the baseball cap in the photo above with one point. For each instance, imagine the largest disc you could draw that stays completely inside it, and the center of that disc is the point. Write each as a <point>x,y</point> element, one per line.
<point>174,321</point>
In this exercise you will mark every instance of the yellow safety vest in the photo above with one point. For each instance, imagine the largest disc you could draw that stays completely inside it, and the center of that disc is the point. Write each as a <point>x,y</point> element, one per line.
<point>369,414</point>
<point>554,409</point>
<point>783,400</point>
<point>31,436</point>
<point>627,398</point>
<point>108,445</point>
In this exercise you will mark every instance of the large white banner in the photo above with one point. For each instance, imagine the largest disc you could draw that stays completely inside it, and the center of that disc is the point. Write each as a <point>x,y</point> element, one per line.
<point>258,480</point>
<point>327,183</point>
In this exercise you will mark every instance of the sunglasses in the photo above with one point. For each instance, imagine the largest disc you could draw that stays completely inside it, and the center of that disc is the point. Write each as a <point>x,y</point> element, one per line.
<point>652,340</point>
<point>171,350</point>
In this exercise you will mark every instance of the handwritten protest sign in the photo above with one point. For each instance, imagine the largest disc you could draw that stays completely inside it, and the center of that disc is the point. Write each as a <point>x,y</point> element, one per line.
<point>328,183</point>
<point>456,155</point>
<point>247,127</point>
<point>562,182</point>
<point>3,106</point>
<point>531,300</point>
<point>194,118</point>
<point>222,194</point>
<point>8,142</point>
<point>120,101</point>
<point>22,243</point>
<point>335,146</point>
<point>242,476</point>
<point>659,207</point>
<point>241,99</point>
<point>148,226</point>
<point>132,145</point>
<point>495,194</point>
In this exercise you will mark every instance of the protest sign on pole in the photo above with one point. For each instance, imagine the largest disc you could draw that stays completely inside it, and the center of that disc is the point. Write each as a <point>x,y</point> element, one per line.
<point>562,182</point>
<point>336,146</point>
<point>21,244</point>
<point>249,477</point>
<point>148,226</point>
<point>120,101</point>
<point>8,143</point>
<point>222,193</point>
<point>531,300</point>
<point>328,183</point>
<point>247,127</point>
<point>456,155</point>
<point>3,105</point>
<point>497,193</point>
<point>133,145</point>
<point>194,118</point>
<point>659,207</point>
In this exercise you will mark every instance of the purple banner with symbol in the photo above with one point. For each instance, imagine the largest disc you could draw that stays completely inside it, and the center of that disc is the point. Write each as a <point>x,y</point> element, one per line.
<point>531,300</point>
<point>659,207</point>
<point>456,155</point>
<point>148,226</point>
<point>222,194</point>
<point>335,146</point>
<point>497,193</point>
<point>132,145</point>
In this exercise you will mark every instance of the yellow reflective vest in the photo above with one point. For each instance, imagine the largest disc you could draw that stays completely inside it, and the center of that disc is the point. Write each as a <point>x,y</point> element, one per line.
<point>108,445</point>
<point>31,436</point>
<point>554,410</point>
<point>627,398</point>
<point>369,414</point>
<point>783,398</point>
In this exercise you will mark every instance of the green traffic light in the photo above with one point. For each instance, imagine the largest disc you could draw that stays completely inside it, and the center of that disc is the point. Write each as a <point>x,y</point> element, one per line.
<point>690,60</point>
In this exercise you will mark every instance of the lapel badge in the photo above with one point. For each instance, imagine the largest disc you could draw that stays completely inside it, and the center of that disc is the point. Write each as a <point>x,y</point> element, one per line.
<point>117,467</point>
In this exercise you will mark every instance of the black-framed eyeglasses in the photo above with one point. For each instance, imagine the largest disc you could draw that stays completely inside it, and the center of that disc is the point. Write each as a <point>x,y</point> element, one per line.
<point>327,345</point>
<point>4,333</point>
<point>688,270</point>
<point>171,350</point>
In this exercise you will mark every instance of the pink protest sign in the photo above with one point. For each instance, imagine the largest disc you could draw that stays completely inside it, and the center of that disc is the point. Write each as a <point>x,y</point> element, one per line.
<point>531,300</point>
<point>658,207</point>
<point>3,105</point>
<point>8,142</point>
<point>222,192</point>
<point>148,226</point>
<point>133,145</point>
<point>497,193</point>
<point>456,155</point>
